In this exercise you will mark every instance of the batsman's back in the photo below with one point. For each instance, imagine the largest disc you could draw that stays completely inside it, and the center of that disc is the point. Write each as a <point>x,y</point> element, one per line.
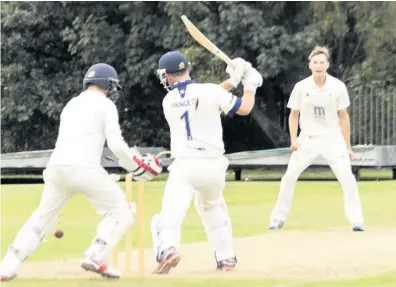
<point>193,115</point>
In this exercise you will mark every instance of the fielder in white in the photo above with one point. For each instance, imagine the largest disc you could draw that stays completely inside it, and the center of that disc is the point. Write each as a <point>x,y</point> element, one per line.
<point>321,101</point>
<point>74,167</point>
<point>193,112</point>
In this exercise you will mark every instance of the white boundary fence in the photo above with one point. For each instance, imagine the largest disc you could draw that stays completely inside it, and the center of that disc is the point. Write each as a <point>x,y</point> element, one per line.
<point>372,114</point>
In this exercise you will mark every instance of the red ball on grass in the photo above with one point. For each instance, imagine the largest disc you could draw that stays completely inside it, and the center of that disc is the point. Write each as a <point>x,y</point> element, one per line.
<point>58,234</point>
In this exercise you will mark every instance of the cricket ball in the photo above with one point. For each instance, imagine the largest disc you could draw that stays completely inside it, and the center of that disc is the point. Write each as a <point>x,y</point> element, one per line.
<point>58,234</point>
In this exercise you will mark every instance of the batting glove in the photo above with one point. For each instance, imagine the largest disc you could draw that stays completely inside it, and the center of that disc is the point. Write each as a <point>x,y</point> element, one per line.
<point>236,73</point>
<point>252,80</point>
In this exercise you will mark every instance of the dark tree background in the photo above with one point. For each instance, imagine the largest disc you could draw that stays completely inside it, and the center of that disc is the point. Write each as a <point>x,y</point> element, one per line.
<point>46,48</point>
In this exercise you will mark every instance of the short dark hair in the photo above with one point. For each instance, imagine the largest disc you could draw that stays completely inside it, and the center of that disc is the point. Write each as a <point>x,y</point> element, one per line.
<point>179,73</point>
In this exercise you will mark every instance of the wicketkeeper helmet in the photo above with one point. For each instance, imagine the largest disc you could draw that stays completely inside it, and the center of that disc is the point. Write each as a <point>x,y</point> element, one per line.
<point>105,77</point>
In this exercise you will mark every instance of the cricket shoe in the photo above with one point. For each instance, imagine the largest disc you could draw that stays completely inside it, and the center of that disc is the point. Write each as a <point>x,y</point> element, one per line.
<point>169,259</point>
<point>7,275</point>
<point>276,224</point>
<point>9,267</point>
<point>107,271</point>
<point>227,264</point>
<point>357,228</point>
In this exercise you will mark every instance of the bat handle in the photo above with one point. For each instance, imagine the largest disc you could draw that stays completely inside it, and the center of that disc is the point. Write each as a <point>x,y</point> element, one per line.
<point>162,153</point>
<point>225,58</point>
<point>109,158</point>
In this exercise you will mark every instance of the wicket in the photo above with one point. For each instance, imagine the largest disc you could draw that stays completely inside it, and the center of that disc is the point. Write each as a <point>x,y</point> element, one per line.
<point>128,235</point>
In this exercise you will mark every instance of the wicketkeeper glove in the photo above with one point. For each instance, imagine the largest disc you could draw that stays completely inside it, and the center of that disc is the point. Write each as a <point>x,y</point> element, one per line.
<point>147,167</point>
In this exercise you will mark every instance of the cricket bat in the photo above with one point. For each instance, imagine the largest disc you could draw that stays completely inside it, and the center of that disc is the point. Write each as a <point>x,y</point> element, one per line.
<point>205,42</point>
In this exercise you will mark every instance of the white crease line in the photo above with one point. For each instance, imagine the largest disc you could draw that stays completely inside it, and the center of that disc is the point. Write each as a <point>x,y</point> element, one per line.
<point>289,284</point>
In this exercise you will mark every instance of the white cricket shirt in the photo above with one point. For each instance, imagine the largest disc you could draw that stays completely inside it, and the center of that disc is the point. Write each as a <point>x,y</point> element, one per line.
<point>193,112</point>
<point>319,106</point>
<point>86,122</point>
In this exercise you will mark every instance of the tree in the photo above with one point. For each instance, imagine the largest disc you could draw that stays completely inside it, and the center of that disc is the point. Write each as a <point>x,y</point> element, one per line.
<point>48,46</point>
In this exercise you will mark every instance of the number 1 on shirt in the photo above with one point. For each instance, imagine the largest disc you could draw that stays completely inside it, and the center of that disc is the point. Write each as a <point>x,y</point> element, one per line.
<point>187,124</point>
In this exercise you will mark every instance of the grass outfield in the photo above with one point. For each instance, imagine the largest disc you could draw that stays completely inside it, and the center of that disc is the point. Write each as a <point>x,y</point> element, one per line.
<point>320,173</point>
<point>387,280</point>
<point>316,206</point>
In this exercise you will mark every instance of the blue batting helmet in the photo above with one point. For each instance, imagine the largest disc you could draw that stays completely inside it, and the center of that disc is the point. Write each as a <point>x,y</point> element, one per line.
<point>105,77</point>
<point>173,62</point>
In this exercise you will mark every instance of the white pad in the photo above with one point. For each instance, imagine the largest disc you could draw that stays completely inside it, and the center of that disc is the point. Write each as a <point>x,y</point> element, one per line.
<point>26,241</point>
<point>166,225</point>
<point>110,231</point>
<point>164,238</point>
<point>158,245</point>
<point>32,233</point>
<point>217,224</point>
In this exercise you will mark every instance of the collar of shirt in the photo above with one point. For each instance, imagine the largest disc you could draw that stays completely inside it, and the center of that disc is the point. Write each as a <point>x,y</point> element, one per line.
<point>326,85</point>
<point>181,86</point>
<point>91,92</point>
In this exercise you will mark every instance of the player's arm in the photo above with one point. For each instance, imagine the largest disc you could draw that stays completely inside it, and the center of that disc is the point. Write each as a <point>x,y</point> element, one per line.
<point>293,125</point>
<point>294,106</point>
<point>231,104</point>
<point>226,85</point>
<point>252,80</point>
<point>247,103</point>
<point>342,105</point>
<point>142,168</point>
<point>165,109</point>
<point>345,126</point>
<point>114,138</point>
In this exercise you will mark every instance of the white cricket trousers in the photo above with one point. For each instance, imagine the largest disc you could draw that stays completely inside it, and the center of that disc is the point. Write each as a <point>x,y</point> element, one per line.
<point>204,179</point>
<point>61,183</point>
<point>334,150</point>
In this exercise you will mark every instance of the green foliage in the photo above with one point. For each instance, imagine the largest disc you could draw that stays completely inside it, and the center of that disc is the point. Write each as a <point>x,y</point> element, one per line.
<point>47,47</point>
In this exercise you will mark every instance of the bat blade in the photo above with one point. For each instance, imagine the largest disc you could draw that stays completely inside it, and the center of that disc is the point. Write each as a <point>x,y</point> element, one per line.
<point>205,42</point>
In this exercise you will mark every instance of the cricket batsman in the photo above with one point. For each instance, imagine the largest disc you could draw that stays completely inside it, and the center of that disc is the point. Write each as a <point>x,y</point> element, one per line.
<point>86,122</point>
<point>319,103</point>
<point>193,113</point>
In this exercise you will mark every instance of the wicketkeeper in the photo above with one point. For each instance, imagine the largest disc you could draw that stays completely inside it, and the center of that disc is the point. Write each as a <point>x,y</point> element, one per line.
<point>86,122</point>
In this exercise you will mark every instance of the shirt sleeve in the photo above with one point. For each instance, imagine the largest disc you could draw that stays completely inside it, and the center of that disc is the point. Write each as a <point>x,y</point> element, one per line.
<point>295,98</point>
<point>228,102</point>
<point>343,98</point>
<point>115,140</point>
<point>165,108</point>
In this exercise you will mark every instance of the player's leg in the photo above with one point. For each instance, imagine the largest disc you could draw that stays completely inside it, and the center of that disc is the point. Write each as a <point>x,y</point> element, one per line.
<point>307,152</point>
<point>166,225</point>
<point>108,199</point>
<point>209,201</point>
<point>338,160</point>
<point>218,228</point>
<point>54,197</point>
